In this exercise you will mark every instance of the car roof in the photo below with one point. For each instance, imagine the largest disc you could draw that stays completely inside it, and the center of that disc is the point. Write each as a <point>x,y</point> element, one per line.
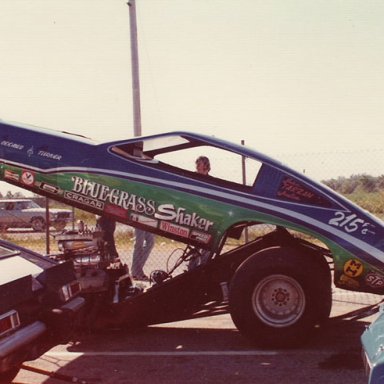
<point>201,139</point>
<point>50,132</point>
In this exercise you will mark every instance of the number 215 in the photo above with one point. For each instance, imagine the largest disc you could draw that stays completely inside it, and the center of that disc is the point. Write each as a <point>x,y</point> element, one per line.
<point>350,223</point>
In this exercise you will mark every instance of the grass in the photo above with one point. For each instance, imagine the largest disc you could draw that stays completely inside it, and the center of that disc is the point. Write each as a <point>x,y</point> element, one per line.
<point>372,201</point>
<point>125,236</point>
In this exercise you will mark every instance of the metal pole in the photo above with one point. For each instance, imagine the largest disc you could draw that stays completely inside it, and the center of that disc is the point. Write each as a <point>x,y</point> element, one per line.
<point>244,173</point>
<point>135,69</point>
<point>243,166</point>
<point>47,223</point>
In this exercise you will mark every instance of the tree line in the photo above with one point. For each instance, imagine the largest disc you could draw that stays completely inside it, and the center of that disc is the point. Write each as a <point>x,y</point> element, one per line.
<point>356,184</point>
<point>12,195</point>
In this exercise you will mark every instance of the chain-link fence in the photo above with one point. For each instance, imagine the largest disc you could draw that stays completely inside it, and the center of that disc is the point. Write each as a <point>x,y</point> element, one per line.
<point>166,252</point>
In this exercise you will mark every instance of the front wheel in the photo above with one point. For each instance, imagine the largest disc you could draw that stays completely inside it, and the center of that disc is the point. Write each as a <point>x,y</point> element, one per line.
<point>38,224</point>
<point>278,296</point>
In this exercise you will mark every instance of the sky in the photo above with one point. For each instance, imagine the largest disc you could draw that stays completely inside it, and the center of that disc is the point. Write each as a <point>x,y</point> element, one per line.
<point>300,80</point>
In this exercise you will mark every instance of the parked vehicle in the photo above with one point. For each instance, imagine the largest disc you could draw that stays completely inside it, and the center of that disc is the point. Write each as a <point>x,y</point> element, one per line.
<point>25,213</point>
<point>39,306</point>
<point>373,351</point>
<point>276,286</point>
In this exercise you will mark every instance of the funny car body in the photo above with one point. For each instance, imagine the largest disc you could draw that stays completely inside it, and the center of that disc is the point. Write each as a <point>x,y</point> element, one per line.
<point>276,285</point>
<point>39,306</point>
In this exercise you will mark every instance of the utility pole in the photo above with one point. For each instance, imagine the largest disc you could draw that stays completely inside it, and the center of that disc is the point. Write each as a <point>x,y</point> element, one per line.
<point>135,69</point>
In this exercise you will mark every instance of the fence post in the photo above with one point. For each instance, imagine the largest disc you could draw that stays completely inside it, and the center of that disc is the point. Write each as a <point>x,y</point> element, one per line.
<point>47,239</point>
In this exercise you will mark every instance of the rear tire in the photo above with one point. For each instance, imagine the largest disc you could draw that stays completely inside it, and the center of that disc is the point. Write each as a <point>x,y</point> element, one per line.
<point>279,295</point>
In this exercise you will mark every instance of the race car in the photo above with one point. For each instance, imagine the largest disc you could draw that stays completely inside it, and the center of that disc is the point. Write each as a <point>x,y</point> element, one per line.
<point>276,286</point>
<point>40,304</point>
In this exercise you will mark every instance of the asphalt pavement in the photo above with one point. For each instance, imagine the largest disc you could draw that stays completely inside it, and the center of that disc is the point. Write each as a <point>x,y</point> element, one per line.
<point>210,350</point>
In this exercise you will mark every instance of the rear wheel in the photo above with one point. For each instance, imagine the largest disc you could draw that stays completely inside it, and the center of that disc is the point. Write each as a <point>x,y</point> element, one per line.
<point>278,296</point>
<point>38,224</point>
<point>59,225</point>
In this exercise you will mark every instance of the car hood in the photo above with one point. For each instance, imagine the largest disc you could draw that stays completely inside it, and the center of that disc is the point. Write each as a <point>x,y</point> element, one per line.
<point>17,267</point>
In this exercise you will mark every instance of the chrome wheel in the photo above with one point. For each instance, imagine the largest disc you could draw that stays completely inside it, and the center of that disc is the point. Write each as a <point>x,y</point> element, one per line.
<point>278,300</point>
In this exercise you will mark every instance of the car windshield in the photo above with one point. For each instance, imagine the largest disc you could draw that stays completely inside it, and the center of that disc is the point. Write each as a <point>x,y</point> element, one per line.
<point>18,205</point>
<point>28,204</point>
<point>6,252</point>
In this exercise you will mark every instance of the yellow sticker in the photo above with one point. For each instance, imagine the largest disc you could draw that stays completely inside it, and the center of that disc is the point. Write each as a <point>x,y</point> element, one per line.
<point>353,268</point>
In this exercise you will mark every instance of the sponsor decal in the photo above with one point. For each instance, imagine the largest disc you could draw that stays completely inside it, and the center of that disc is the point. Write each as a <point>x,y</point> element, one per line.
<point>374,280</point>
<point>144,220</point>
<point>84,200</point>
<point>353,268</point>
<point>105,194</point>
<point>291,189</point>
<point>11,144</point>
<point>30,152</point>
<point>200,236</point>
<point>49,188</point>
<point>346,281</point>
<point>49,155</point>
<point>10,175</point>
<point>141,206</point>
<point>174,229</point>
<point>180,216</point>
<point>28,178</point>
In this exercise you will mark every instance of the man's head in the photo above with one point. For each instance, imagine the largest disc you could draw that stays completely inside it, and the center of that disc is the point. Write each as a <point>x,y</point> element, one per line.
<point>202,165</point>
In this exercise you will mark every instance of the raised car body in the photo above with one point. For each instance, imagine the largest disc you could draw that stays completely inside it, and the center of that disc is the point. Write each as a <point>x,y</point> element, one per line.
<point>149,182</point>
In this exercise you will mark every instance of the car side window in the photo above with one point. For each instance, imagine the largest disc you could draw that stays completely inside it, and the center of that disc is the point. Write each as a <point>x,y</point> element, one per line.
<point>22,205</point>
<point>227,168</point>
<point>178,154</point>
<point>10,206</point>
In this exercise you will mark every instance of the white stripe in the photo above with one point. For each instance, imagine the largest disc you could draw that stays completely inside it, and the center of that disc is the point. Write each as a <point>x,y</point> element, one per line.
<point>161,353</point>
